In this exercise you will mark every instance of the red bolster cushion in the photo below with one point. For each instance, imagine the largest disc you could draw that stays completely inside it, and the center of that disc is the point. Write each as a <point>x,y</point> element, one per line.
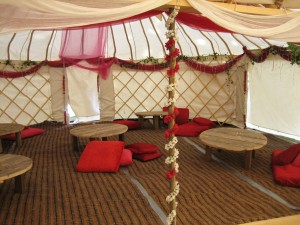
<point>147,156</point>
<point>141,148</point>
<point>190,129</point>
<point>25,133</point>
<point>204,122</point>
<point>101,156</point>
<point>131,124</point>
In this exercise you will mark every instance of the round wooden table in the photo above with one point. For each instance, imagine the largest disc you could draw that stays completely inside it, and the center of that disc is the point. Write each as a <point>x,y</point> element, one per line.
<point>13,166</point>
<point>97,131</point>
<point>233,139</point>
<point>155,114</point>
<point>9,128</point>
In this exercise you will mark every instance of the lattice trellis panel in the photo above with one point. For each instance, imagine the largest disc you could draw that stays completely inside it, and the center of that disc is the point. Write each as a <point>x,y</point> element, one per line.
<point>206,95</point>
<point>25,100</point>
<point>138,91</point>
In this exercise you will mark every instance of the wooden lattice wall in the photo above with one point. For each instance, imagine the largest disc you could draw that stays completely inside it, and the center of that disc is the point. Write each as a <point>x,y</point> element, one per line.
<point>27,100</point>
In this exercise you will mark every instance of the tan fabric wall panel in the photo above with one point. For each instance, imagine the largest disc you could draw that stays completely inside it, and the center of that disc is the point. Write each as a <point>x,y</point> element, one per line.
<point>107,97</point>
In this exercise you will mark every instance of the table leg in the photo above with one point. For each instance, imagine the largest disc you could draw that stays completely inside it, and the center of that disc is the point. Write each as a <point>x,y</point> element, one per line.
<point>75,143</point>
<point>1,148</point>
<point>248,159</point>
<point>141,120</point>
<point>18,139</point>
<point>121,137</point>
<point>18,184</point>
<point>208,153</point>
<point>156,122</point>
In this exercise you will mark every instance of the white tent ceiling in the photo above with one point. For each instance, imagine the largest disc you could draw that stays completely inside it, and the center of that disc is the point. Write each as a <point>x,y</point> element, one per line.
<point>133,41</point>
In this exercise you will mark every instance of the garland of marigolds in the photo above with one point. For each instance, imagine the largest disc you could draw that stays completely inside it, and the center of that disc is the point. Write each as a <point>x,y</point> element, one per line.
<point>173,152</point>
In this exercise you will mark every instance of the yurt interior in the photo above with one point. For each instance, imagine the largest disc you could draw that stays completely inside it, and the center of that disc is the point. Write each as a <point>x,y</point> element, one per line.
<point>149,112</point>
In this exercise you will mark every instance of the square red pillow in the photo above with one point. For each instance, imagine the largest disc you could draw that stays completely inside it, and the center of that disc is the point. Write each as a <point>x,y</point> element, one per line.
<point>101,156</point>
<point>141,148</point>
<point>126,158</point>
<point>147,156</point>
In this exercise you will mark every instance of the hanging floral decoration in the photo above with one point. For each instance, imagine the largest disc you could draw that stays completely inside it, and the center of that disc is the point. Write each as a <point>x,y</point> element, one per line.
<point>170,118</point>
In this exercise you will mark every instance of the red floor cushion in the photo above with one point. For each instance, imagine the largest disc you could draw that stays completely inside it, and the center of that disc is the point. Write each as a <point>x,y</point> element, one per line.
<point>190,129</point>
<point>286,156</point>
<point>126,158</point>
<point>131,124</point>
<point>147,156</point>
<point>141,148</point>
<point>288,174</point>
<point>204,121</point>
<point>25,133</point>
<point>296,161</point>
<point>101,156</point>
<point>183,115</point>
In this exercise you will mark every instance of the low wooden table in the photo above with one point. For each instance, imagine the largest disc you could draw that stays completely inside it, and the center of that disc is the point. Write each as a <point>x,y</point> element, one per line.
<point>9,128</point>
<point>155,114</point>
<point>233,139</point>
<point>96,131</point>
<point>13,166</point>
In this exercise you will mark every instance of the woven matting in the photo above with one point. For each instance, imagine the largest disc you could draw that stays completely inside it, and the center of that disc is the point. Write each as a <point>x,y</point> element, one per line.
<point>209,193</point>
<point>55,194</point>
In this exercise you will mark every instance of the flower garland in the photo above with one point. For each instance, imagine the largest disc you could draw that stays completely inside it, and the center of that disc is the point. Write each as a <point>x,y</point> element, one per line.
<point>173,153</point>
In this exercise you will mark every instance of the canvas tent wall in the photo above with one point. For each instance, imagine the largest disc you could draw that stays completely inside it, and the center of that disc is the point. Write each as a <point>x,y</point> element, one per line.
<point>148,93</point>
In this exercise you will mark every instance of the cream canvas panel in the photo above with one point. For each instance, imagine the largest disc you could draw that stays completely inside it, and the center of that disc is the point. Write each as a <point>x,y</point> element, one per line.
<point>58,102</point>
<point>83,91</point>
<point>273,90</point>
<point>107,97</point>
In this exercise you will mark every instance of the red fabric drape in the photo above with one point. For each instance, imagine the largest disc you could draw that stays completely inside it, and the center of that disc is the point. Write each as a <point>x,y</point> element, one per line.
<point>200,22</point>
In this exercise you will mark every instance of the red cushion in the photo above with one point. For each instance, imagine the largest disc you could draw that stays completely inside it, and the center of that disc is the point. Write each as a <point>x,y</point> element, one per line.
<point>101,156</point>
<point>287,175</point>
<point>296,161</point>
<point>182,117</point>
<point>147,156</point>
<point>286,156</point>
<point>25,133</point>
<point>204,121</point>
<point>126,158</point>
<point>131,124</point>
<point>141,148</point>
<point>190,129</point>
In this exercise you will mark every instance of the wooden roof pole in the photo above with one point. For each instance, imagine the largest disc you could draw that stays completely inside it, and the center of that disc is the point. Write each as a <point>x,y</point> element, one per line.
<point>247,9</point>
